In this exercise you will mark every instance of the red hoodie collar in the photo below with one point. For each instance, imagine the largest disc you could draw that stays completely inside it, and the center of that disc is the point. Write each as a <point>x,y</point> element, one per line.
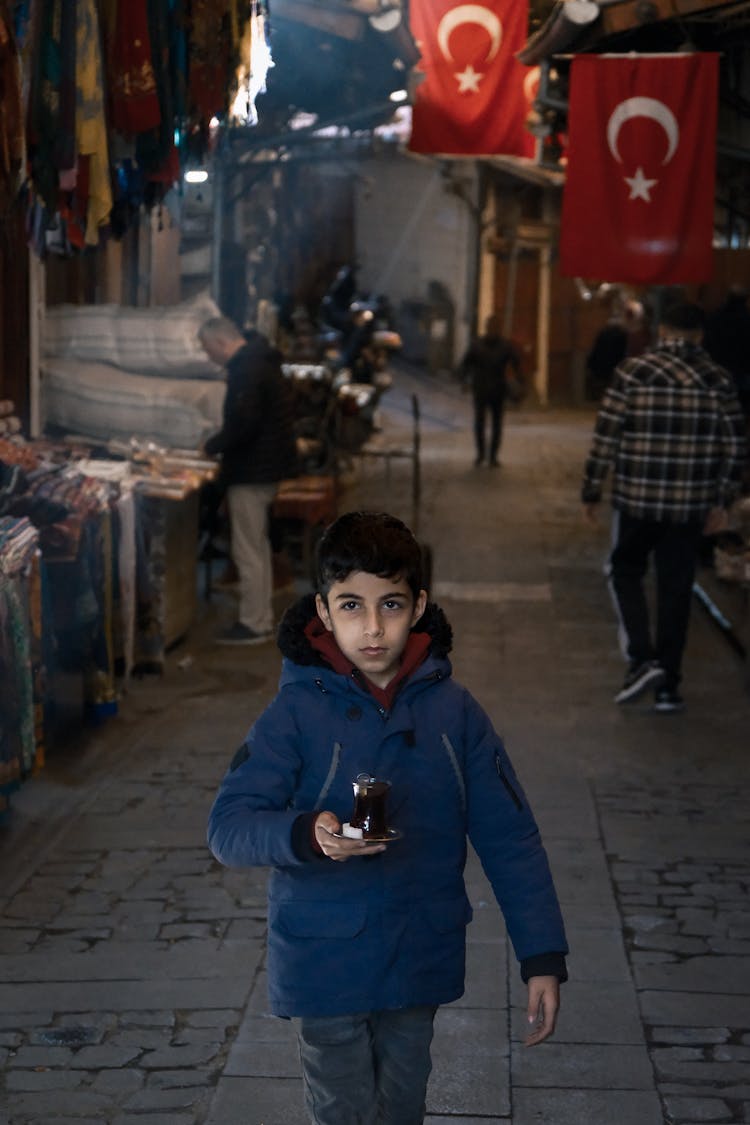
<point>324,642</point>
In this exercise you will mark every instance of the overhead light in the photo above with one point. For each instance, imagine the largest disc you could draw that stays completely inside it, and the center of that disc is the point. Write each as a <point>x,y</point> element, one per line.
<point>398,96</point>
<point>196,176</point>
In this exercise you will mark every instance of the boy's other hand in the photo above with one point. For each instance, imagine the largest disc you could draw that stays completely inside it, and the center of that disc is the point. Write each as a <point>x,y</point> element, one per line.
<point>326,824</point>
<point>542,1008</point>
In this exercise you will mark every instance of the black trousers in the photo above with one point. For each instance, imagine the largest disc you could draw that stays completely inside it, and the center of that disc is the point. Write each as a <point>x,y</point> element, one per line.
<point>674,547</point>
<point>493,407</point>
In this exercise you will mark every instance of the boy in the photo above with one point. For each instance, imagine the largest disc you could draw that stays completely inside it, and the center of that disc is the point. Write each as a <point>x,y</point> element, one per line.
<point>366,939</point>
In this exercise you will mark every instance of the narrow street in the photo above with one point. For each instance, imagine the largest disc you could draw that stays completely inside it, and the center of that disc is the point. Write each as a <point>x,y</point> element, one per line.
<point>132,966</point>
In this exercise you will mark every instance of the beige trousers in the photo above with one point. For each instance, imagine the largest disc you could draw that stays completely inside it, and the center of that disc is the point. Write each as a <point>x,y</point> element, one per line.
<point>251,552</point>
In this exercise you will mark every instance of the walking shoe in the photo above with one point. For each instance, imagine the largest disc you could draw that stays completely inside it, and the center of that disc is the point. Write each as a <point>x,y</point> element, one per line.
<point>239,634</point>
<point>667,700</point>
<point>638,678</point>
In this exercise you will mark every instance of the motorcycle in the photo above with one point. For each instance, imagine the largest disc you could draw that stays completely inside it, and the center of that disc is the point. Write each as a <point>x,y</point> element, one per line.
<point>334,416</point>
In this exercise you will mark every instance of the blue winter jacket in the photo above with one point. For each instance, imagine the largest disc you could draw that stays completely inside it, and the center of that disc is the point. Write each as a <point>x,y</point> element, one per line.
<point>385,930</point>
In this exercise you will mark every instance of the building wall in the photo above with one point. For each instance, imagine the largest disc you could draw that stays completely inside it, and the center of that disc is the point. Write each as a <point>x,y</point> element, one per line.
<point>416,243</point>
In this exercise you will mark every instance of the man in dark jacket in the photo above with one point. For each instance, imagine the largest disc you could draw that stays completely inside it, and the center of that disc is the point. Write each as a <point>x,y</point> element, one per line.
<point>485,367</point>
<point>670,428</point>
<point>257,449</point>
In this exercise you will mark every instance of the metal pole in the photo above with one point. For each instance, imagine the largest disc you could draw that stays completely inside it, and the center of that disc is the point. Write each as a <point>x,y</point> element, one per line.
<point>218,228</point>
<point>37,279</point>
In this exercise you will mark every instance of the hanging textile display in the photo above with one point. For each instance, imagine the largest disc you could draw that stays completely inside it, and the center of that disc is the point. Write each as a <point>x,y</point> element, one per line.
<point>91,128</point>
<point>19,635</point>
<point>209,60</point>
<point>135,103</point>
<point>11,112</point>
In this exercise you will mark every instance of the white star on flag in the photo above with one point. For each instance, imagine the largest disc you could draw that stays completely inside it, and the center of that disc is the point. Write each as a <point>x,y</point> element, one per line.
<point>640,187</point>
<point>468,80</point>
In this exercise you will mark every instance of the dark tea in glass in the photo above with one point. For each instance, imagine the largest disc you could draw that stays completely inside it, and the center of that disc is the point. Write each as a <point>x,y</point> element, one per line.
<point>369,813</point>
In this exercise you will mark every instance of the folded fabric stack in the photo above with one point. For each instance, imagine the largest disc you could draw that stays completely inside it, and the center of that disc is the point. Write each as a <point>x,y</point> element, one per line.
<point>111,371</point>
<point>20,648</point>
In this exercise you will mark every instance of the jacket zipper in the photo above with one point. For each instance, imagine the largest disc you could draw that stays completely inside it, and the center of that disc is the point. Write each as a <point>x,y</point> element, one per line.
<point>456,769</point>
<point>501,774</point>
<point>330,776</point>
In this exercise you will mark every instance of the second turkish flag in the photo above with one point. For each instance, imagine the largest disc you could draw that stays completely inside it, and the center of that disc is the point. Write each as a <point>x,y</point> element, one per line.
<point>638,204</point>
<point>472,99</point>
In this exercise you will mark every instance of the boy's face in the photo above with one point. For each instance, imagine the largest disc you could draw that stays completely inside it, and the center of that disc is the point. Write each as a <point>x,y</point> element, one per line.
<point>370,617</point>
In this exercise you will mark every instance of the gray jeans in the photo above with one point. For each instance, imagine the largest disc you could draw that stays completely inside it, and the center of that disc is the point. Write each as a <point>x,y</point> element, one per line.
<point>367,1068</point>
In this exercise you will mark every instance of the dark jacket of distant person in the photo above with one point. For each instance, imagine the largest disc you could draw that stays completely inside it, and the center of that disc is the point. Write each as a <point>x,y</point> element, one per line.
<point>256,440</point>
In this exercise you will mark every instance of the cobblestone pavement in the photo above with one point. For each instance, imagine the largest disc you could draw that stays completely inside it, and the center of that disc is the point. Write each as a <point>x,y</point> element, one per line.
<point>132,966</point>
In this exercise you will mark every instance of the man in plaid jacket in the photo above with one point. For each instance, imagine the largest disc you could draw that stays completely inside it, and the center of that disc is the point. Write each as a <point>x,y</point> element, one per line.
<point>671,428</point>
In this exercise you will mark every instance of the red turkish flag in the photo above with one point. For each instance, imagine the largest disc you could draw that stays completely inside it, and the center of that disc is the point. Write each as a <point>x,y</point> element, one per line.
<point>638,204</point>
<point>472,99</point>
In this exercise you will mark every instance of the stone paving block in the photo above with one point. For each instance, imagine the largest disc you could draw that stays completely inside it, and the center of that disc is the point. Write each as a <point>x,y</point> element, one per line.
<point>693,1009</point>
<point>166,1079</point>
<point>118,961</point>
<point>698,974</point>
<point>37,1080</point>
<point>451,1119</point>
<point>105,1055</point>
<point>271,1101</point>
<point>124,995</point>
<point>176,1098</point>
<point>262,1060</point>
<point>597,955</point>
<point>41,1056</point>
<point>45,1105</point>
<point>470,1084</point>
<point>599,915</point>
<point>118,1082</point>
<point>266,1029</point>
<point>698,1109</point>
<point>154,1119</point>
<point>170,1057</point>
<point>585,1107</point>
<point>460,1031</point>
<point>588,1066</point>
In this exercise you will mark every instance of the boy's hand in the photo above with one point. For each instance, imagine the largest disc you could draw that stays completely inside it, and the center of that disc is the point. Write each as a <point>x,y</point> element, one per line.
<point>327,823</point>
<point>542,1007</point>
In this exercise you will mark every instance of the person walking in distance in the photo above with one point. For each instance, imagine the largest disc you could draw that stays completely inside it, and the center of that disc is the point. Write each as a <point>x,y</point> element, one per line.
<point>671,429</point>
<point>485,368</point>
<point>257,449</point>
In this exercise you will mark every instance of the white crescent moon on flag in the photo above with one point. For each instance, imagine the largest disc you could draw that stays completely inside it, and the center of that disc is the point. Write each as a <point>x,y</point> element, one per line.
<point>469,13</point>
<point>531,83</point>
<point>643,107</point>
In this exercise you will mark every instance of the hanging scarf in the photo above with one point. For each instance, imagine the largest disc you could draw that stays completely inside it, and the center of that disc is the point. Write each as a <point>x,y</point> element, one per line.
<point>91,128</point>
<point>135,102</point>
<point>11,115</point>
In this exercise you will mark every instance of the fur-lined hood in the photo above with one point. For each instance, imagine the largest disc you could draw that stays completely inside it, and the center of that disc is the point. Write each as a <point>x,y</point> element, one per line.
<point>296,647</point>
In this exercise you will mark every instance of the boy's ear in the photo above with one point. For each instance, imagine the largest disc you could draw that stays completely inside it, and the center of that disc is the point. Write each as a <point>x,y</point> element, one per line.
<point>323,613</point>
<point>419,606</point>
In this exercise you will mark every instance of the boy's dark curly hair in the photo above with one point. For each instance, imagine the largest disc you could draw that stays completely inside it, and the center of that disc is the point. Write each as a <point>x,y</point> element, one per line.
<point>374,542</point>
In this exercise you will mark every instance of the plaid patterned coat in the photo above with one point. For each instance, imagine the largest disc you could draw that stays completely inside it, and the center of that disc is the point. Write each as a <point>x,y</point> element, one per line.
<point>671,428</point>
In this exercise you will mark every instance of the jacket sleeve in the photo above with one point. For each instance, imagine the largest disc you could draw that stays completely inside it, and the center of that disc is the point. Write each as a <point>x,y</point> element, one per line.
<point>504,833</point>
<point>607,432</point>
<point>252,820</point>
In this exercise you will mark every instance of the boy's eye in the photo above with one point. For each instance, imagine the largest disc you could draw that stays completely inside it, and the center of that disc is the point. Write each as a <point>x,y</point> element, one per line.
<point>350,605</point>
<point>393,604</point>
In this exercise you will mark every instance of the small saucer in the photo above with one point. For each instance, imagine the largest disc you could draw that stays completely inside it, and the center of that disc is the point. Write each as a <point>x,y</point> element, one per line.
<point>391,834</point>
